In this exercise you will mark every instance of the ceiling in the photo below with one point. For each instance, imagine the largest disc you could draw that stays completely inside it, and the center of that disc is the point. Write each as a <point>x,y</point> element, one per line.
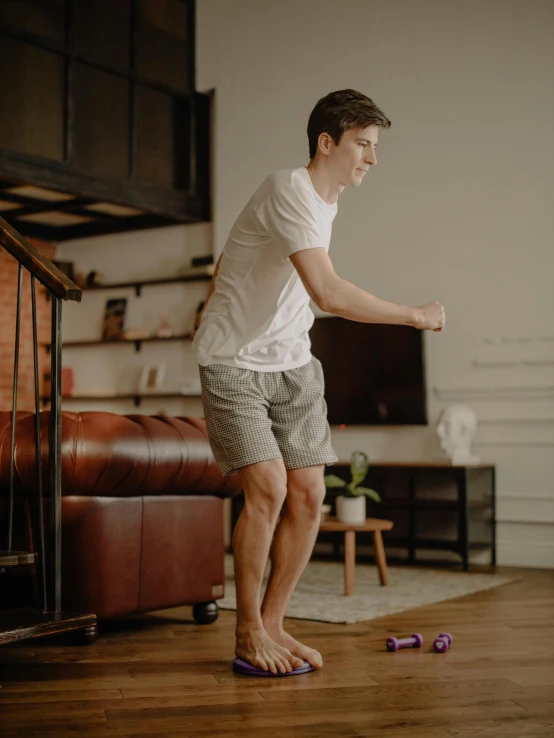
<point>52,215</point>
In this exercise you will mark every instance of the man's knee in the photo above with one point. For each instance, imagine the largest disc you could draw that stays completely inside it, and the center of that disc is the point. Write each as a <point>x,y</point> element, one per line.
<point>265,486</point>
<point>306,492</point>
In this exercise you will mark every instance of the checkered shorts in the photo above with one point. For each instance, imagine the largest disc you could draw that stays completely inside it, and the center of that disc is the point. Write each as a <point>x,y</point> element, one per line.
<point>257,416</point>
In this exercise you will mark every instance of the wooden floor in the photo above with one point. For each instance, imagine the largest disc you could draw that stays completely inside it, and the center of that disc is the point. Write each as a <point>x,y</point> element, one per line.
<point>162,675</point>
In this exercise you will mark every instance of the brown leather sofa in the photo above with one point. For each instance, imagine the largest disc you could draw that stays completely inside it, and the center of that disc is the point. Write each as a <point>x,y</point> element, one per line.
<point>142,510</point>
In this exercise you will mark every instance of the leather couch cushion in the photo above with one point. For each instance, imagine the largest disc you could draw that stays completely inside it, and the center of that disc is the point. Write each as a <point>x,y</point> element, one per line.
<point>110,455</point>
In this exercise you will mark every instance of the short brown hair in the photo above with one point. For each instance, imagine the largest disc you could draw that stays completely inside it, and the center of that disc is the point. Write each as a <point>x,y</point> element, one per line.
<point>341,111</point>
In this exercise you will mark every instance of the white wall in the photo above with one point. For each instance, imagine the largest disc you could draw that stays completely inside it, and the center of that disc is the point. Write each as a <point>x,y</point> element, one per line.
<point>459,208</point>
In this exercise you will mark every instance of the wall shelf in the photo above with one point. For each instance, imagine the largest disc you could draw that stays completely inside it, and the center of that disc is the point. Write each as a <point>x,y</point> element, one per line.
<point>137,397</point>
<point>136,341</point>
<point>138,285</point>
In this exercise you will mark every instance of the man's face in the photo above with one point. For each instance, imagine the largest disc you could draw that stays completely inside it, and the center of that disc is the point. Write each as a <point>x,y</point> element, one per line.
<point>354,155</point>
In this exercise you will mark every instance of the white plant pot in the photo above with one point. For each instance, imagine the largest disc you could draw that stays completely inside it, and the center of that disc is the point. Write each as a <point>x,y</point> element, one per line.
<point>351,510</point>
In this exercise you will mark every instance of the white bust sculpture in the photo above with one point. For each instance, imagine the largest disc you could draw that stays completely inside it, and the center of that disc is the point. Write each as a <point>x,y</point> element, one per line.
<point>456,428</point>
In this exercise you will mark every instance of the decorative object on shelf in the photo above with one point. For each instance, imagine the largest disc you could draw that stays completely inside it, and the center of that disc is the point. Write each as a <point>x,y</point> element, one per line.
<point>152,378</point>
<point>197,271</point>
<point>93,279</point>
<point>197,261</point>
<point>67,382</point>
<point>66,267</point>
<point>351,505</point>
<point>197,315</point>
<point>164,329</point>
<point>325,511</point>
<point>80,279</point>
<point>456,429</point>
<point>190,387</point>
<point>114,319</point>
<point>185,386</point>
<point>135,334</point>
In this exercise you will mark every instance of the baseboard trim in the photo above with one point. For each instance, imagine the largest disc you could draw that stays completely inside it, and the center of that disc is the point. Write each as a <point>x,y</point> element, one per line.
<point>525,553</point>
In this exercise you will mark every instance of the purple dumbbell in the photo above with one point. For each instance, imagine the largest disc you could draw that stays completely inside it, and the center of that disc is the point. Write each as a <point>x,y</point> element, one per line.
<point>416,641</point>
<point>442,643</point>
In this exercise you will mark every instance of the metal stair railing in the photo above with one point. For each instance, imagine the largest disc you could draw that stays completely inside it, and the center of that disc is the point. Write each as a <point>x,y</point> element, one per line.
<point>28,623</point>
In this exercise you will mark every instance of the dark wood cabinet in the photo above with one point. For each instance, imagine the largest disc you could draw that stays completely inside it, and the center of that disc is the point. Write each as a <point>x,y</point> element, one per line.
<point>434,506</point>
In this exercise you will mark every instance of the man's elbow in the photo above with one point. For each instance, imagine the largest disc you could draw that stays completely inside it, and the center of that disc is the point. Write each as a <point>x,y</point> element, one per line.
<point>325,301</point>
<point>327,294</point>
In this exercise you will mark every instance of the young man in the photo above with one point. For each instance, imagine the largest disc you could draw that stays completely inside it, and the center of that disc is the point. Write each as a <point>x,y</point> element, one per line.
<point>262,391</point>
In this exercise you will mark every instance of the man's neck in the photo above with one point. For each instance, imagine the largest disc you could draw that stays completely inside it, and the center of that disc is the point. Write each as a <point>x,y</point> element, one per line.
<point>327,189</point>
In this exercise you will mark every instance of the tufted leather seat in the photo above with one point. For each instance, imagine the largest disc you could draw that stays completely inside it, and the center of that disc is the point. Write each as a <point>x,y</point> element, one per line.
<point>142,508</point>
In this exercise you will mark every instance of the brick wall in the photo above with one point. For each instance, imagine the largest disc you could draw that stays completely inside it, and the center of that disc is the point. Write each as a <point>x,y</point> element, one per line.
<point>8,305</point>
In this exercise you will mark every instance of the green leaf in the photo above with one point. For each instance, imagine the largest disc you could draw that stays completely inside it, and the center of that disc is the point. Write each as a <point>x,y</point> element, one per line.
<point>331,480</point>
<point>359,465</point>
<point>368,493</point>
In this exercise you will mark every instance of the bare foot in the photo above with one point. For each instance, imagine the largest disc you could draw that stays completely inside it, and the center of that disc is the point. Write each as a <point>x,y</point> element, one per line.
<point>296,648</point>
<point>258,649</point>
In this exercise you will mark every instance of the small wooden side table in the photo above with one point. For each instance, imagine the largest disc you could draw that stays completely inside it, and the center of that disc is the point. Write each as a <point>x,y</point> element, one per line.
<point>372,525</point>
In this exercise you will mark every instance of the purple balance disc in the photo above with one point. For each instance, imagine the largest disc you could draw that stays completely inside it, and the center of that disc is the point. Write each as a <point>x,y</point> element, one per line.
<point>243,667</point>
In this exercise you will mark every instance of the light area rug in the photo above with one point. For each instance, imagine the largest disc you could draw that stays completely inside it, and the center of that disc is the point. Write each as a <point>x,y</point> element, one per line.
<point>319,594</point>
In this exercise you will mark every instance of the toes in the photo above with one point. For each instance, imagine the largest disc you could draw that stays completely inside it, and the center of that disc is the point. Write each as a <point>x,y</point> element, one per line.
<point>314,657</point>
<point>288,665</point>
<point>285,659</point>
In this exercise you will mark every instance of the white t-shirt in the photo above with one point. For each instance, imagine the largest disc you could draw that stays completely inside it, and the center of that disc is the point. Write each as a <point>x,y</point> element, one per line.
<point>259,316</point>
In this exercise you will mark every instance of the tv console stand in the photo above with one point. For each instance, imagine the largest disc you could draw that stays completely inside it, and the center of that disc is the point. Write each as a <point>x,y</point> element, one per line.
<point>434,506</point>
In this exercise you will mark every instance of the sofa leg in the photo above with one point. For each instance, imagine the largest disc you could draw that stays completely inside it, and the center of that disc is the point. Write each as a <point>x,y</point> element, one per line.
<point>80,636</point>
<point>205,613</point>
<point>89,635</point>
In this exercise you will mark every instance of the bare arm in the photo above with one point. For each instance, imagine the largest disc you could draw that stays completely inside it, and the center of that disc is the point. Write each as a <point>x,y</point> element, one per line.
<point>335,295</point>
<point>210,293</point>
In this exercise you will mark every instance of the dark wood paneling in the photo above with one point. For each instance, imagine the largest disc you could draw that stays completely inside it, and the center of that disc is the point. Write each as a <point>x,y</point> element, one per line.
<point>32,122</point>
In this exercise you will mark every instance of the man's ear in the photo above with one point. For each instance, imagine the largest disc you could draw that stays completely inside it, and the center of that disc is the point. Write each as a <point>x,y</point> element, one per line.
<point>324,143</point>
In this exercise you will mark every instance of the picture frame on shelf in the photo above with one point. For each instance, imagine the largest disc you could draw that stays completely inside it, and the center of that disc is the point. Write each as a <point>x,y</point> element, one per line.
<point>152,378</point>
<point>114,319</point>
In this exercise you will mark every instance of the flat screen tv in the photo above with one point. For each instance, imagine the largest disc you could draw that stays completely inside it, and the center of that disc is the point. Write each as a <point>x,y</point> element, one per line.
<point>374,374</point>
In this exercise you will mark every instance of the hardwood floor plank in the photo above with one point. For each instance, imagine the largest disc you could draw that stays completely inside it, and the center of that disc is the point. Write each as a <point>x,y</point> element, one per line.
<point>319,730</point>
<point>492,729</point>
<point>30,720</point>
<point>136,727</point>
<point>186,668</point>
<point>52,696</point>
<point>524,676</point>
<point>116,682</point>
<point>441,717</point>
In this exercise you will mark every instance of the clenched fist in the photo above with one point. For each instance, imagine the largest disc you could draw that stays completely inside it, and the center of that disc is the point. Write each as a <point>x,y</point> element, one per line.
<point>431,317</point>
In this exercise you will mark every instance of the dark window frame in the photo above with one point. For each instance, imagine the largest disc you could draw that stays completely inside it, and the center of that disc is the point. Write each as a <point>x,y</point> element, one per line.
<point>134,79</point>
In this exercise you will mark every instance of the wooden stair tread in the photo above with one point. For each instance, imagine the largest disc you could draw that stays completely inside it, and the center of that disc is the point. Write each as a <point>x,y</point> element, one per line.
<point>17,558</point>
<point>17,625</point>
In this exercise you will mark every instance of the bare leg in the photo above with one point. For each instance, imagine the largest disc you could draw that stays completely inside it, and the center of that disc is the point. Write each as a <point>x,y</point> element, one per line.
<point>290,553</point>
<point>265,488</point>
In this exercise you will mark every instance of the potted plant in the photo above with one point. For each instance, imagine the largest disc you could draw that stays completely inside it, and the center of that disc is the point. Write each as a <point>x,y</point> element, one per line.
<point>351,506</point>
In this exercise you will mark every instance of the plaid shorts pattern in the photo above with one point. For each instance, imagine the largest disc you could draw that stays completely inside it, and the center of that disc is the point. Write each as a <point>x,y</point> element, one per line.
<point>257,416</point>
